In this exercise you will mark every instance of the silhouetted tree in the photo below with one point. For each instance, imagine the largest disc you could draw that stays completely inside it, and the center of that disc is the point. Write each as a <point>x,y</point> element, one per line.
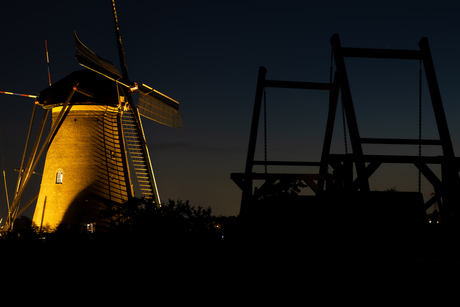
<point>22,223</point>
<point>23,228</point>
<point>141,218</point>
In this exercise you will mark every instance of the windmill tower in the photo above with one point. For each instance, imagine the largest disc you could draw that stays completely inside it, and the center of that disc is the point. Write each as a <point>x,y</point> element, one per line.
<point>96,130</point>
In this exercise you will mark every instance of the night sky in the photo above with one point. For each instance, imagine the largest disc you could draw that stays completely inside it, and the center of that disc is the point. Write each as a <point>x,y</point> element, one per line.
<point>206,55</point>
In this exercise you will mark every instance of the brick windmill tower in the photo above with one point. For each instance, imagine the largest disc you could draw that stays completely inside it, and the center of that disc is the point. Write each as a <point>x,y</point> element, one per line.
<point>95,143</point>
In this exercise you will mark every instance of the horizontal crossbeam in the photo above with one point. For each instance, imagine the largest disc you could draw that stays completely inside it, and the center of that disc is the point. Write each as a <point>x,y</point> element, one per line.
<point>392,159</point>
<point>399,141</point>
<point>241,179</point>
<point>276,176</point>
<point>287,163</point>
<point>297,84</point>
<point>381,53</point>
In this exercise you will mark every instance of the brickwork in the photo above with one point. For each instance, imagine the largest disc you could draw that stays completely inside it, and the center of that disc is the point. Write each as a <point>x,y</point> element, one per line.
<point>87,150</point>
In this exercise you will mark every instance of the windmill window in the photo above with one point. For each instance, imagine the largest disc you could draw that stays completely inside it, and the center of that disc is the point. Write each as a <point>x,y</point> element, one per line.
<point>59,177</point>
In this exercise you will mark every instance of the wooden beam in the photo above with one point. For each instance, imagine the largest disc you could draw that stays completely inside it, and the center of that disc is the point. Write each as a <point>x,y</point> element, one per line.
<point>394,159</point>
<point>349,108</point>
<point>370,169</point>
<point>255,120</point>
<point>432,201</point>
<point>429,175</point>
<point>34,160</point>
<point>312,185</point>
<point>297,85</point>
<point>381,53</point>
<point>436,100</point>
<point>242,177</point>
<point>238,179</point>
<point>399,141</point>
<point>287,163</point>
<point>333,99</point>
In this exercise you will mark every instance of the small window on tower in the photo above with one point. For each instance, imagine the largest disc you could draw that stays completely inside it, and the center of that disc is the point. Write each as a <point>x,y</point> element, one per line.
<point>59,177</point>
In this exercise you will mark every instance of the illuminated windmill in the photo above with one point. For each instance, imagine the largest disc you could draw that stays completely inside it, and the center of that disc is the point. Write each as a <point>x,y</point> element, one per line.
<point>95,123</point>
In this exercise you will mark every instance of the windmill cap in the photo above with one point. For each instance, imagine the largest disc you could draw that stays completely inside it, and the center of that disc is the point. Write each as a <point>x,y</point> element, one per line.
<point>94,89</point>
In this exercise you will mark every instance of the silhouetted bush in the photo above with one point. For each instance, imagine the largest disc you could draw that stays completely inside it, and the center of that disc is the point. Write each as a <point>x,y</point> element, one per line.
<point>141,218</point>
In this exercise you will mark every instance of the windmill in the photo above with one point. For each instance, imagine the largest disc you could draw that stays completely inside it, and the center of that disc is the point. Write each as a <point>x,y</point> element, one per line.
<point>95,125</point>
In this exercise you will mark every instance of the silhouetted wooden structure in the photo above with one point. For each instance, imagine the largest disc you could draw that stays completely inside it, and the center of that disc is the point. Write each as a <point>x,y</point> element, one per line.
<point>342,180</point>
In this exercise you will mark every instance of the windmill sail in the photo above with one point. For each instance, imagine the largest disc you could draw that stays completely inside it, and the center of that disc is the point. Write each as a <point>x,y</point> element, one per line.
<point>152,104</point>
<point>135,143</point>
<point>91,60</point>
<point>159,107</point>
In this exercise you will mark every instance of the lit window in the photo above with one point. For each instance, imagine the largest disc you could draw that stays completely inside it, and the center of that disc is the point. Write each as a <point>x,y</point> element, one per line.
<point>59,177</point>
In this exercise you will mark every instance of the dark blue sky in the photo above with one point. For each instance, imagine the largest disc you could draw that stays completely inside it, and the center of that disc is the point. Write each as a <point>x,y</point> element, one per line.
<point>206,55</point>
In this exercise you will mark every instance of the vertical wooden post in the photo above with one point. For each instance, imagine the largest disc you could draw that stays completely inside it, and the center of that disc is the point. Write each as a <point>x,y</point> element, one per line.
<point>334,96</point>
<point>449,168</point>
<point>247,191</point>
<point>349,111</point>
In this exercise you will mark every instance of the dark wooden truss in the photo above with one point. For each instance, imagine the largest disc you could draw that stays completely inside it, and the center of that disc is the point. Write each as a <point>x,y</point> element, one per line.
<point>344,165</point>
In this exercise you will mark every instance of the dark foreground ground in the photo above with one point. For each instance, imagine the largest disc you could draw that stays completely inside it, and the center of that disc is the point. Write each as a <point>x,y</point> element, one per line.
<point>237,253</point>
<point>283,270</point>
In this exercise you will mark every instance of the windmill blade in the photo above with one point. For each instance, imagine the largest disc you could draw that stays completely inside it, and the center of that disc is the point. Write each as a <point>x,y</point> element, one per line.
<point>121,52</point>
<point>91,60</point>
<point>16,94</point>
<point>152,104</point>
<point>135,142</point>
<point>158,107</point>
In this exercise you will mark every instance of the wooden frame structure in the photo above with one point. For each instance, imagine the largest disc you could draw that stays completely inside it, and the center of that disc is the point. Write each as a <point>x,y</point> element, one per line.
<point>444,187</point>
<point>343,165</point>
<point>245,180</point>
